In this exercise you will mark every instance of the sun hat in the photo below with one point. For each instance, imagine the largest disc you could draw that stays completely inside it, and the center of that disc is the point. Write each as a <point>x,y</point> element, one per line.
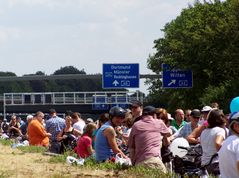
<point>206,109</point>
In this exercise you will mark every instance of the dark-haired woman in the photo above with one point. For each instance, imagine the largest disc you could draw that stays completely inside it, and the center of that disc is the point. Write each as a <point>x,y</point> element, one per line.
<point>213,136</point>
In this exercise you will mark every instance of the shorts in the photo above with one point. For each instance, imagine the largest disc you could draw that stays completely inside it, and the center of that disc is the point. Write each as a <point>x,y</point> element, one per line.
<point>153,162</point>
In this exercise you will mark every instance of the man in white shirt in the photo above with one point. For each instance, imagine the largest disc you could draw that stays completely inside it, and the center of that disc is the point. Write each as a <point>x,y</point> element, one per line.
<point>78,123</point>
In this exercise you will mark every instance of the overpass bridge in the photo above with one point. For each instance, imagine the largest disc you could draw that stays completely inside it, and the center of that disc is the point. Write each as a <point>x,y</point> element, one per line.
<point>90,102</point>
<point>83,102</point>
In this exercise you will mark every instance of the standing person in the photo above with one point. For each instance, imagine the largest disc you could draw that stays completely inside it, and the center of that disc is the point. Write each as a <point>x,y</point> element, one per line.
<point>78,123</point>
<point>178,122</point>
<point>37,134</point>
<point>194,137</point>
<point>187,115</point>
<point>212,138</point>
<point>229,152</point>
<point>25,126</point>
<point>84,147</point>
<point>68,136</point>
<point>136,108</point>
<point>54,125</point>
<point>145,140</point>
<point>188,128</point>
<point>105,144</point>
<point>164,116</point>
<point>205,111</point>
<point>215,105</point>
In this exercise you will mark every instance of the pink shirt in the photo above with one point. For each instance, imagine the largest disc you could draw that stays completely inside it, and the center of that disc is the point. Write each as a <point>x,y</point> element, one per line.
<point>84,142</point>
<point>145,138</point>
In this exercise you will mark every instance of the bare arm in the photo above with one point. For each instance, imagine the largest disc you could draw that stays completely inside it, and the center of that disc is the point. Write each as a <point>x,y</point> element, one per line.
<point>218,142</point>
<point>193,138</point>
<point>90,150</point>
<point>60,136</point>
<point>77,133</point>
<point>111,137</point>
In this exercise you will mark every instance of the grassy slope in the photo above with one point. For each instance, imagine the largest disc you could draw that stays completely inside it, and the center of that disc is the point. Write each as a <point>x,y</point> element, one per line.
<point>30,162</point>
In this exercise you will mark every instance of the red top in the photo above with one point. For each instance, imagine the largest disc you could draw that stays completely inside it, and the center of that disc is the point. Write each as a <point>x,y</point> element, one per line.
<point>84,142</point>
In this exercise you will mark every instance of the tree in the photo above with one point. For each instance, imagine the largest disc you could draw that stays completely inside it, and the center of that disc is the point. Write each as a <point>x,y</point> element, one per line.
<point>38,85</point>
<point>204,39</point>
<point>68,70</point>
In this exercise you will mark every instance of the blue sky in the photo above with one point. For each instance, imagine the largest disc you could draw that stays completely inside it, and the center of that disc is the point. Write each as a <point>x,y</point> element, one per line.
<point>44,35</point>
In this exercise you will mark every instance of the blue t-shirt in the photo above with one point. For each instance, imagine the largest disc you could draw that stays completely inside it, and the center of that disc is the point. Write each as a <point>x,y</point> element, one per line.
<point>103,150</point>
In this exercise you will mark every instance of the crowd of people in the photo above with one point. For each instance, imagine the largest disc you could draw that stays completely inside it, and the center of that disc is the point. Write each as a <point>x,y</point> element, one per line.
<point>142,134</point>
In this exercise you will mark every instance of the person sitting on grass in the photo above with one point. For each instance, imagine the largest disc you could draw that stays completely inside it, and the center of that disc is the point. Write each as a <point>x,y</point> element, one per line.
<point>84,146</point>
<point>105,145</point>
<point>103,118</point>
<point>68,136</point>
<point>145,140</point>
<point>37,134</point>
<point>14,128</point>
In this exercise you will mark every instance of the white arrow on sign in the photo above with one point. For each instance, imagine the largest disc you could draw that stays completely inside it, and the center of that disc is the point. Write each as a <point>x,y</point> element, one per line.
<point>172,82</point>
<point>115,83</point>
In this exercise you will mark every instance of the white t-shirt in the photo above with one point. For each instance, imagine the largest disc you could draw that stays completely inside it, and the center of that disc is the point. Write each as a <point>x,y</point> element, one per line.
<point>80,125</point>
<point>207,140</point>
<point>229,157</point>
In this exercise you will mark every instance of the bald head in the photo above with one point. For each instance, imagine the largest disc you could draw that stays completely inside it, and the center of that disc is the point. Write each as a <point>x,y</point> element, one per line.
<point>179,115</point>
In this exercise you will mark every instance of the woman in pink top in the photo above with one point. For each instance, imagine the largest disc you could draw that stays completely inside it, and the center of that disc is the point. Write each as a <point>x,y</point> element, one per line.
<point>84,146</point>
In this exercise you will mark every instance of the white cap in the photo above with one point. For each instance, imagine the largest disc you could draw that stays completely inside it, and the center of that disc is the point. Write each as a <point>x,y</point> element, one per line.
<point>169,116</point>
<point>206,109</point>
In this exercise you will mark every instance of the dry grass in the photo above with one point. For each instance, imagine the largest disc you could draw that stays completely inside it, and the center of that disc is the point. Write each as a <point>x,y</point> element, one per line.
<point>15,163</point>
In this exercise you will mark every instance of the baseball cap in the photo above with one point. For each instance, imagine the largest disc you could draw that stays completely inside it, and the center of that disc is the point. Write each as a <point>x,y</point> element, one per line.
<point>206,109</point>
<point>149,110</point>
<point>195,113</point>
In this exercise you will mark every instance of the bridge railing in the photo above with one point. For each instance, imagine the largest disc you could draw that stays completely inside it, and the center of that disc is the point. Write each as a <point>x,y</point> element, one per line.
<point>65,98</point>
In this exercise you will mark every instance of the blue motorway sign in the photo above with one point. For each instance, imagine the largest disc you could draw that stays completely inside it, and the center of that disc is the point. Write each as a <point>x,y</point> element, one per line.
<point>120,101</point>
<point>120,76</point>
<point>100,103</point>
<point>176,78</point>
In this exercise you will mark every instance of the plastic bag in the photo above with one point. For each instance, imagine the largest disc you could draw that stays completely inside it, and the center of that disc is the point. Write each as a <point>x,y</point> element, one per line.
<point>122,161</point>
<point>73,160</point>
<point>4,136</point>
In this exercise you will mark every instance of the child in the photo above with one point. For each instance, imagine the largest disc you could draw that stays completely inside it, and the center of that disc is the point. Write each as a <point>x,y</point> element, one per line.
<point>84,146</point>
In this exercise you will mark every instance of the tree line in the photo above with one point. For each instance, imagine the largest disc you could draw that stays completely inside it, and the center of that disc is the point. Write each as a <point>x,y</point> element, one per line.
<point>205,39</point>
<point>71,85</point>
